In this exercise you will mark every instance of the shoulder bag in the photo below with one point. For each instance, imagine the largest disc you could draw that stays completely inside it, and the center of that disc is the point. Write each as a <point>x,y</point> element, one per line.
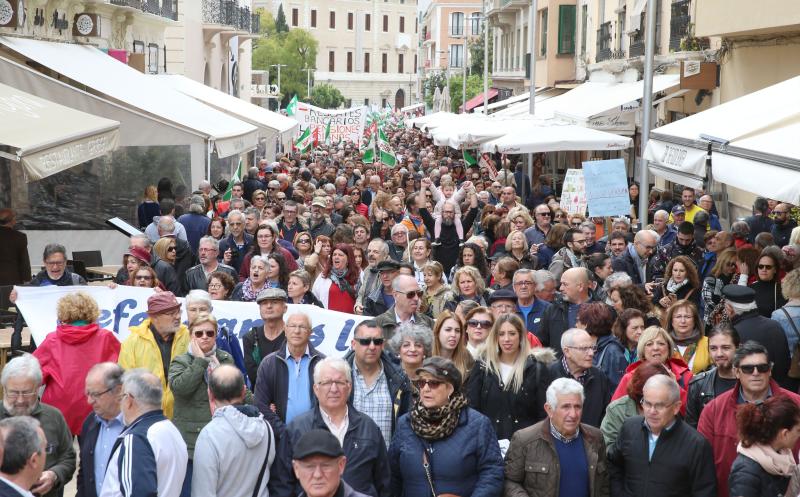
<point>794,366</point>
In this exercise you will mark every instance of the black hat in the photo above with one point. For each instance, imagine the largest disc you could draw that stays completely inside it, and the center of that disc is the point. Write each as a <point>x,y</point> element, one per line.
<point>317,443</point>
<point>739,294</point>
<point>442,369</point>
<point>502,294</point>
<point>389,265</point>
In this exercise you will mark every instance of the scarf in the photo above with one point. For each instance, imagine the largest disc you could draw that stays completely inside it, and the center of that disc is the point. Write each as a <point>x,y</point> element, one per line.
<point>673,287</point>
<point>773,462</point>
<point>211,355</point>
<point>249,294</point>
<point>437,423</point>
<point>338,278</point>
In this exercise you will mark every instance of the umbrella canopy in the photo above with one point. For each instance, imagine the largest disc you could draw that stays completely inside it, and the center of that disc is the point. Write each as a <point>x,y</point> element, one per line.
<point>437,100</point>
<point>536,136</point>
<point>445,104</point>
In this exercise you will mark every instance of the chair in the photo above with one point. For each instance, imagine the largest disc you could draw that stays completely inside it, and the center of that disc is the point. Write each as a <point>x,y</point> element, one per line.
<point>90,258</point>
<point>7,316</point>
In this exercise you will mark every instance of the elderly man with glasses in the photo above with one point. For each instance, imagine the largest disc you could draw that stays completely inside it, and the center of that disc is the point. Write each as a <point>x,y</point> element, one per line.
<point>21,379</point>
<point>197,277</point>
<point>542,218</point>
<point>407,297</point>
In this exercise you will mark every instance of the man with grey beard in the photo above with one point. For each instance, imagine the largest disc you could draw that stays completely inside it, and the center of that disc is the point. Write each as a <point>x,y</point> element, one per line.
<point>319,224</point>
<point>21,379</point>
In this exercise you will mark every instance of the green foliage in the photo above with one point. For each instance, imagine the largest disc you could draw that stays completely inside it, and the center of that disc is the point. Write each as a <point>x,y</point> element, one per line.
<point>267,23</point>
<point>326,96</point>
<point>474,87</point>
<point>297,49</point>
<point>475,46</point>
<point>280,21</point>
<point>436,80</point>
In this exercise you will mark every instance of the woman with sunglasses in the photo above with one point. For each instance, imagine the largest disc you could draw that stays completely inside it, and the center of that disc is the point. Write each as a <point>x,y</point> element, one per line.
<point>336,286</point>
<point>448,342</point>
<point>442,446</point>
<point>145,277</point>
<point>165,249</point>
<point>304,245</point>
<point>507,382</point>
<point>357,203</point>
<point>768,287</point>
<point>188,379</point>
<point>479,321</point>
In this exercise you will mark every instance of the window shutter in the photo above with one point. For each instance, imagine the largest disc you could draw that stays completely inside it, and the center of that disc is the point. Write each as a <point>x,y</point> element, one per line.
<point>566,29</point>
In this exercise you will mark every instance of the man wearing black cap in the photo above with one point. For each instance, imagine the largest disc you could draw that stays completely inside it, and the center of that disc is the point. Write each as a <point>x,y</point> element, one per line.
<point>382,298</point>
<point>740,303</point>
<point>319,462</point>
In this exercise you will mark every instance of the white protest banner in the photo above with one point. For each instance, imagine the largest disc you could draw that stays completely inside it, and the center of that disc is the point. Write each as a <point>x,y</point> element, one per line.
<point>126,306</point>
<point>346,125</point>
<point>573,195</point>
<point>606,188</point>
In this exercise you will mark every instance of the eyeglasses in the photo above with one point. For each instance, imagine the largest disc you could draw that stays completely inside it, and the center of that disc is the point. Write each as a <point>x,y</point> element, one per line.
<point>751,368</point>
<point>327,384</point>
<point>503,307</point>
<point>523,283</point>
<point>765,266</point>
<point>475,323</point>
<point>432,384</point>
<point>301,327</point>
<point>683,317</point>
<point>215,286</point>
<point>206,333</point>
<point>658,406</point>
<point>304,240</point>
<point>97,395</point>
<point>13,394</point>
<point>55,263</point>
<point>273,188</point>
<point>778,213</point>
<point>378,341</point>
<point>543,214</point>
<point>412,294</point>
<point>171,249</point>
<point>585,350</point>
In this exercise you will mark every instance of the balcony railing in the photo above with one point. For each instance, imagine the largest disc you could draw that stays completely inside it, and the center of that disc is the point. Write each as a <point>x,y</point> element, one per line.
<point>163,8</point>
<point>608,54</point>
<point>604,38</point>
<point>228,13</point>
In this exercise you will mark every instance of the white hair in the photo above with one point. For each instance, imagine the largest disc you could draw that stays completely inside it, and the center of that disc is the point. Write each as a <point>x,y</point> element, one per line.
<point>568,337</point>
<point>563,386</point>
<point>741,308</point>
<point>200,296</point>
<point>662,380</point>
<point>335,363</point>
<point>24,366</point>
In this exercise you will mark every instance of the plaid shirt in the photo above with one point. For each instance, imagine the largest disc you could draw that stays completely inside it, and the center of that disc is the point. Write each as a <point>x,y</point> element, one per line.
<point>374,401</point>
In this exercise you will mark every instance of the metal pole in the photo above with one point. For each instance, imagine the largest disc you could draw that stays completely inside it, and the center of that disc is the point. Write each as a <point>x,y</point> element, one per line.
<point>647,109</point>
<point>532,72</point>
<point>485,62</point>
<point>464,76</point>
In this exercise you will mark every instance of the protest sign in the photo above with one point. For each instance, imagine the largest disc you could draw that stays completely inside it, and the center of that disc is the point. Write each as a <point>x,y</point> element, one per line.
<point>573,194</point>
<point>126,306</point>
<point>345,125</point>
<point>606,188</point>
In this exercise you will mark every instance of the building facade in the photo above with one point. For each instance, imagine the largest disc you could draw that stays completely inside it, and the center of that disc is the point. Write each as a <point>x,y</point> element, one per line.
<point>444,26</point>
<point>368,50</point>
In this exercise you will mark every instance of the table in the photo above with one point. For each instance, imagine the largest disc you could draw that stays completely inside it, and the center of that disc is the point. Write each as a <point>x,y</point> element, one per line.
<point>5,343</point>
<point>110,270</point>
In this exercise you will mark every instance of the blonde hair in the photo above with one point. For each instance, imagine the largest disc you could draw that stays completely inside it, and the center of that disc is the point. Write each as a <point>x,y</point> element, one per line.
<point>151,193</point>
<point>203,317</point>
<point>480,284</point>
<point>650,334</point>
<point>161,246</point>
<point>524,241</point>
<point>490,352</point>
<point>78,306</point>
<point>516,212</point>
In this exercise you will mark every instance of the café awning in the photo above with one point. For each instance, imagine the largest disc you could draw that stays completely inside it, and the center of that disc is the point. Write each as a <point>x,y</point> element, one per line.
<point>46,138</point>
<point>109,78</point>
<point>532,136</point>
<point>478,99</point>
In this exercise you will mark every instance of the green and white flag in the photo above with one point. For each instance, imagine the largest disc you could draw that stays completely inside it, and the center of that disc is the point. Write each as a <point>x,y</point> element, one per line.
<point>292,107</point>
<point>237,176</point>
<point>387,154</point>
<point>328,133</point>
<point>304,142</point>
<point>469,160</point>
<point>369,151</point>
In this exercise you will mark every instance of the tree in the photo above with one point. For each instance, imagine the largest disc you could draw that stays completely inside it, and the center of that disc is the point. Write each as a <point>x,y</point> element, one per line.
<point>436,80</point>
<point>297,50</point>
<point>475,46</point>
<point>267,22</point>
<point>326,96</point>
<point>474,87</point>
<point>280,21</point>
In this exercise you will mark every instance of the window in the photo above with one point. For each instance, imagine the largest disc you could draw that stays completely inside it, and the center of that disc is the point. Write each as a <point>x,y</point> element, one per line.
<point>367,19</point>
<point>295,17</point>
<point>457,24</point>
<point>348,103</point>
<point>456,55</point>
<point>415,62</point>
<point>402,24</point>
<point>152,58</point>
<point>138,46</point>
<point>385,24</point>
<point>366,101</point>
<point>621,29</point>
<point>384,62</point>
<point>475,24</point>
<point>584,27</point>
<point>366,61</point>
<point>383,103</point>
<point>313,18</point>
<point>332,22</point>
<point>566,29</point>
<point>400,63</point>
<point>543,41</point>
<point>349,61</point>
<point>331,61</point>
<point>349,21</point>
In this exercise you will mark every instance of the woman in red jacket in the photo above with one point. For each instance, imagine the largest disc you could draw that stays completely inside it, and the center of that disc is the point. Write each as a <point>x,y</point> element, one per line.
<point>67,354</point>
<point>336,286</point>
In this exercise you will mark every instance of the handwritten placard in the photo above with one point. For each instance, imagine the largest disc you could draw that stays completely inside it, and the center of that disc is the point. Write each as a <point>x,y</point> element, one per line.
<point>606,188</point>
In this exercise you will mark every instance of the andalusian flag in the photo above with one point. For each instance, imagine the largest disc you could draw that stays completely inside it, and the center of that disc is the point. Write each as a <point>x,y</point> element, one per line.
<point>304,142</point>
<point>237,176</point>
<point>369,151</point>
<point>387,154</point>
<point>328,134</point>
<point>292,107</point>
<point>468,158</point>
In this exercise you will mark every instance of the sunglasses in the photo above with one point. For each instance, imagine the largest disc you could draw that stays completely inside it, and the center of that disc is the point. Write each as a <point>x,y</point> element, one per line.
<point>412,293</point>
<point>479,324</point>
<point>750,368</point>
<point>206,333</point>
<point>378,341</point>
<point>544,214</point>
<point>765,266</point>
<point>432,384</point>
<point>171,249</point>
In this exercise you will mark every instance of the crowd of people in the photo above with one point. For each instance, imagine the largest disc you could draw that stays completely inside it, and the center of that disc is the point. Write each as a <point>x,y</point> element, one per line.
<point>507,347</point>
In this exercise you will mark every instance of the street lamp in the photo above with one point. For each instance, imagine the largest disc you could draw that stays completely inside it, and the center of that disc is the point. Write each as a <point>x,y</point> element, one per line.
<point>279,78</point>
